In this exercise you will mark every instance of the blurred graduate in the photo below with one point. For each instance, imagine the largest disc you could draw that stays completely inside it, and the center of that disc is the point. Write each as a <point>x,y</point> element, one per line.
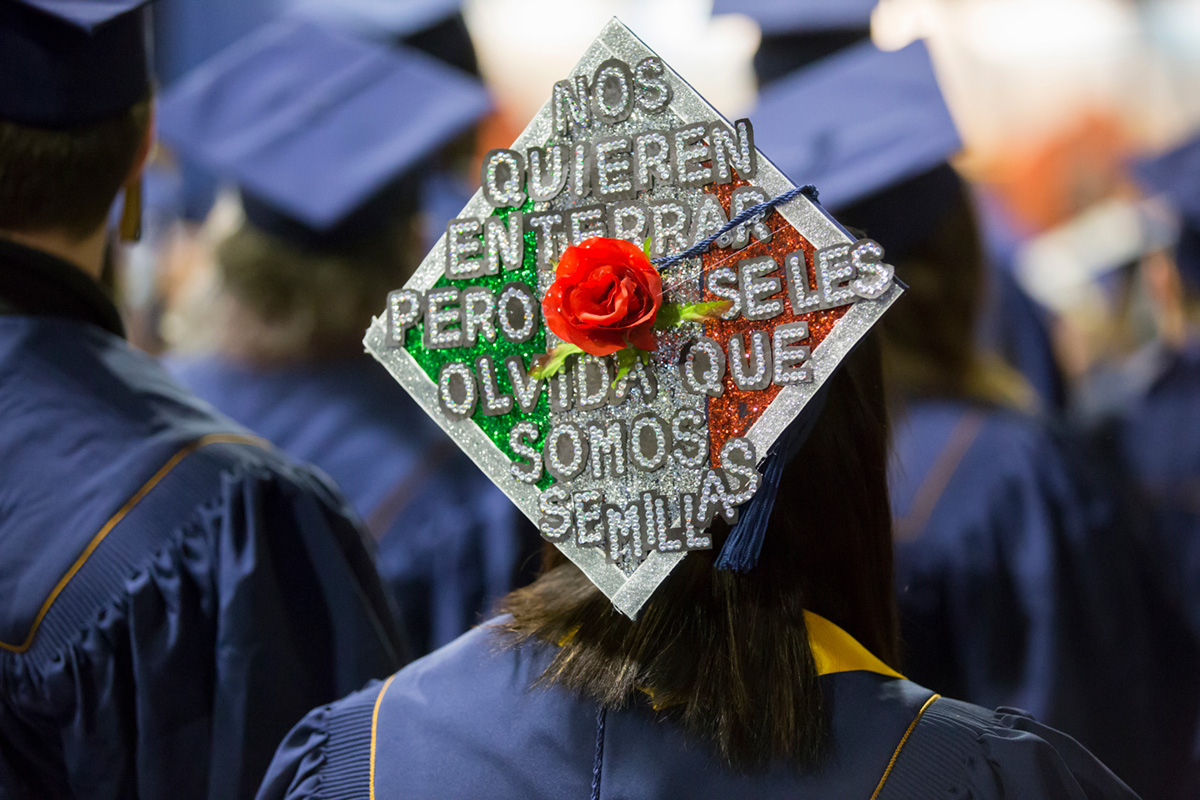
<point>1018,585</point>
<point>1150,422</point>
<point>176,591</point>
<point>329,139</point>
<point>796,33</point>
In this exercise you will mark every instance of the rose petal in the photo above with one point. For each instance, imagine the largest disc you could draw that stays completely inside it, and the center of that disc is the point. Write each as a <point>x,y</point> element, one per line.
<point>606,293</point>
<point>643,338</point>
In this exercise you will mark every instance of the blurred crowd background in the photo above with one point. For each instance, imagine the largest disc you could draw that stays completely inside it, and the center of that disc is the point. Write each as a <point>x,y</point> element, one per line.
<point>1054,99</point>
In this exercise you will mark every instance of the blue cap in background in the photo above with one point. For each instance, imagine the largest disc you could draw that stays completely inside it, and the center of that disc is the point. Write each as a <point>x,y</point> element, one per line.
<point>857,122</point>
<point>322,132</point>
<point>435,27</point>
<point>779,55</point>
<point>788,16</point>
<point>189,32</point>
<point>66,63</point>
<point>796,33</point>
<point>376,18</point>
<point>1175,175</point>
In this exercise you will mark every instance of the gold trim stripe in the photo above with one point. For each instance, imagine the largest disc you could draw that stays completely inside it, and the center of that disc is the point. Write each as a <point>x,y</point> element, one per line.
<point>911,726</point>
<point>184,452</point>
<point>374,726</point>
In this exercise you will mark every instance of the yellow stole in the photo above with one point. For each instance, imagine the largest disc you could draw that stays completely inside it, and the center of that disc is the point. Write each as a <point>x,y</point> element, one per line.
<point>834,650</point>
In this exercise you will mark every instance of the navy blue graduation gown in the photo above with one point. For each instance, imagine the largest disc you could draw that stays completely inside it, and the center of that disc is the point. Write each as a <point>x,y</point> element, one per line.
<point>1013,324</point>
<point>450,543</point>
<point>1156,438</point>
<point>1159,438</point>
<point>464,722</point>
<point>176,593</point>
<point>1018,585</point>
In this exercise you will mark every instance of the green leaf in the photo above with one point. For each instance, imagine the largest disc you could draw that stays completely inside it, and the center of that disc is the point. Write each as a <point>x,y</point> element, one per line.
<point>550,363</point>
<point>626,358</point>
<point>671,315</point>
<point>704,312</point>
<point>646,247</point>
<point>668,317</point>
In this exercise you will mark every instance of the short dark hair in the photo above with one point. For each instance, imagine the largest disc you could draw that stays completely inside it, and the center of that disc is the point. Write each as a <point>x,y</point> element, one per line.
<point>66,179</point>
<point>728,654</point>
<point>288,303</point>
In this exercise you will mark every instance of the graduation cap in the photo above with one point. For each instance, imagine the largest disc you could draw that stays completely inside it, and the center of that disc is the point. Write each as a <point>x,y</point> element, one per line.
<point>435,27</point>
<point>1175,175</point>
<point>625,403</point>
<point>791,16</point>
<point>322,132</point>
<point>796,33</point>
<point>66,63</point>
<point>872,130</point>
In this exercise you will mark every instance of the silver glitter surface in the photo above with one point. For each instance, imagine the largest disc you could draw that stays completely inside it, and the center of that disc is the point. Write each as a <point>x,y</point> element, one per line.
<point>629,584</point>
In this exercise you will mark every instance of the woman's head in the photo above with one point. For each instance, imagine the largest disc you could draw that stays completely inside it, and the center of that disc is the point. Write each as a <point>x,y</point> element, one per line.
<point>728,653</point>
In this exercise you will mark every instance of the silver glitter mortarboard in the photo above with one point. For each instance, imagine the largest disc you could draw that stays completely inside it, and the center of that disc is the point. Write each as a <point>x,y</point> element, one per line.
<point>646,450</point>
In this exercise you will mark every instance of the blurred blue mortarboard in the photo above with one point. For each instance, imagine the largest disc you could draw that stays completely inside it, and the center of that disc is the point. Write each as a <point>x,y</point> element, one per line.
<point>857,122</point>
<point>790,16</point>
<point>796,33</point>
<point>371,18</point>
<point>860,124</point>
<point>435,27</point>
<point>1175,175</point>
<point>66,63</point>
<point>322,132</point>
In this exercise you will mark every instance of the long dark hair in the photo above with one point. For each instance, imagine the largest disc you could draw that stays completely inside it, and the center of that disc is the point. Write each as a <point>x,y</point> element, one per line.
<point>728,654</point>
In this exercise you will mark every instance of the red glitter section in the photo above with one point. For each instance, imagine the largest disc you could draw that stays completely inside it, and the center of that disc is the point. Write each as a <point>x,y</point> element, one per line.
<point>732,414</point>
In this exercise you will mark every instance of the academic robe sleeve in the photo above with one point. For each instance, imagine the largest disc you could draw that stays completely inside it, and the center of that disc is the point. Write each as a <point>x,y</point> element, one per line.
<point>452,553</point>
<point>960,750</point>
<point>295,772</point>
<point>327,755</point>
<point>1026,591</point>
<point>262,604</point>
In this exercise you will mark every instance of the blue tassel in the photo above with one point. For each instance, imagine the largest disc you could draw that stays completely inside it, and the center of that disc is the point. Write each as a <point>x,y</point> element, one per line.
<point>744,545</point>
<point>701,247</point>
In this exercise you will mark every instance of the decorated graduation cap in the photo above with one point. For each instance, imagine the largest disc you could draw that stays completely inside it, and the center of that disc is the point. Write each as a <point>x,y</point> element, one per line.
<point>872,130</point>
<point>1176,176</point>
<point>66,63</point>
<point>322,132</point>
<point>628,324</point>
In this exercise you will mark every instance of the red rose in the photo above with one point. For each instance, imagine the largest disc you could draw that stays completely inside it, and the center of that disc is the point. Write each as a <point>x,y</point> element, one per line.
<point>605,296</point>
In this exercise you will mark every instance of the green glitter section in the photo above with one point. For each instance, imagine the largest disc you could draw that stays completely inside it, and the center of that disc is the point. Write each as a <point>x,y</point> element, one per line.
<point>431,361</point>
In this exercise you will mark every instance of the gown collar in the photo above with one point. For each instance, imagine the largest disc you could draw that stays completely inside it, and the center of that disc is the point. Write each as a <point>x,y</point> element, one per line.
<point>835,651</point>
<point>34,283</point>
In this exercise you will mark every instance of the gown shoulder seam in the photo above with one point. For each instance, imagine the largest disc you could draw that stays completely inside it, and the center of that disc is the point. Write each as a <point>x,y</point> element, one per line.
<point>903,740</point>
<point>374,729</point>
<point>115,519</point>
